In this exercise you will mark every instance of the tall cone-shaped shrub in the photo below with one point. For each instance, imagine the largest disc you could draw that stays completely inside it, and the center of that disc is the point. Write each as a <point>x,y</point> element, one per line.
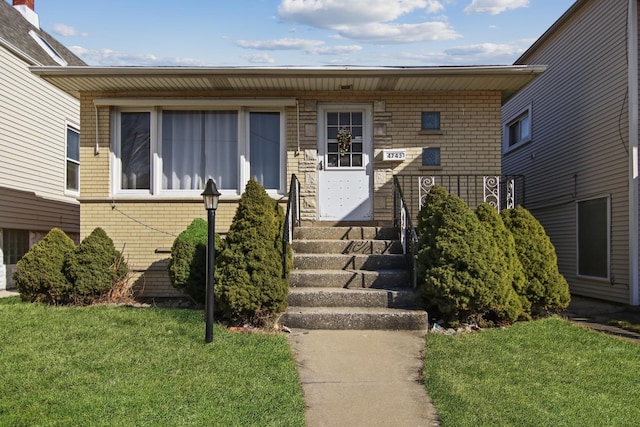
<point>39,274</point>
<point>94,267</point>
<point>545,287</point>
<point>490,218</point>
<point>249,283</point>
<point>460,269</point>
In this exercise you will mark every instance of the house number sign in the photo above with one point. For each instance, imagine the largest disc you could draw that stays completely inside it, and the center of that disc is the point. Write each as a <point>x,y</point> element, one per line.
<point>397,155</point>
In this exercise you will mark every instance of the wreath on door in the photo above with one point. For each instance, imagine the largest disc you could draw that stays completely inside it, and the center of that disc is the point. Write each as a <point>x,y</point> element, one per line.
<point>344,140</point>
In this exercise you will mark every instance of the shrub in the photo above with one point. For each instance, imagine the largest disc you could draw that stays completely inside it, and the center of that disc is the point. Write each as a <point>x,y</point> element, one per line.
<point>545,287</point>
<point>461,272</point>
<point>249,282</point>
<point>188,264</point>
<point>94,267</point>
<point>39,274</point>
<point>490,217</point>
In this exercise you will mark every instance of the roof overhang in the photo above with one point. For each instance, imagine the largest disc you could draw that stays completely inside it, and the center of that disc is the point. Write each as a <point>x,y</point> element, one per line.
<point>507,79</point>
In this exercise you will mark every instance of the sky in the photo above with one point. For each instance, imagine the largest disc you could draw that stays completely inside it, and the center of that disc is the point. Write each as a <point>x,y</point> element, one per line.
<point>311,33</point>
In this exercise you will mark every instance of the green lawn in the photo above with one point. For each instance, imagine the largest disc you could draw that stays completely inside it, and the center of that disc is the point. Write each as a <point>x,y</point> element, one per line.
<point>102,366</point>
<point>543,373</point>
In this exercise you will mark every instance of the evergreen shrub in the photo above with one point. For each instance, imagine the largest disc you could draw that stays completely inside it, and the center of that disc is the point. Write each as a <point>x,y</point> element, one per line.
<point>39,273</point>
<point>461,272</point>
<point>94,267</point>
<point>545,287</point>
<point>188,264</point>
<point>491,219</point>
<point>249,283</point>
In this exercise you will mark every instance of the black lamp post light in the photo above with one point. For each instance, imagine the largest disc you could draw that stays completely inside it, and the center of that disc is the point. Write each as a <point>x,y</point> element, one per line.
<point>211,196</point>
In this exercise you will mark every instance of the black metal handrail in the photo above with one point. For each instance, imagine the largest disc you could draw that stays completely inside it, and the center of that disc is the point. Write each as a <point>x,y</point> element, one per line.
<point>403,223</point>
<point>501,191</point>
<point>291,219</point>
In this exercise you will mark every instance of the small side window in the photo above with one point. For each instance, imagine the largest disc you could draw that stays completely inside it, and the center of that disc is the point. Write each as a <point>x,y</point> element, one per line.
<point>518,130</point>
<point>430,120</point>
<point>431,156</point>
<point>593,237</point>
<point>15,243</point>
<point>73,160</point>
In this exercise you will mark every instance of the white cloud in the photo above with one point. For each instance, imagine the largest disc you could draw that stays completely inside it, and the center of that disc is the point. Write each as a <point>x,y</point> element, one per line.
<point>66,31</point>
<point>109,57</point>
<point>329,13</point>
<point>400,33</point>
<point>259,58</point>
<point>494,7</point>
<point>312,47</point>
<point>490,50</point>
<point>369,20</point>
<point>476,54</point>
<point>434,6</point>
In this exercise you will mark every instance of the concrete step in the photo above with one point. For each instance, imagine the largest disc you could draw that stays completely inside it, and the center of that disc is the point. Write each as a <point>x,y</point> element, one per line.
<point>347,247</point>
<point>345,233</point>
<point>340,297</point>
<point>381,279</point>
<point>349,262</point>
<point>362,318</point>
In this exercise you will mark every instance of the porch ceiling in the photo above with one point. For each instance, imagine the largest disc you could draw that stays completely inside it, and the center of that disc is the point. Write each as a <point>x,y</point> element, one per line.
<point>74,80</point>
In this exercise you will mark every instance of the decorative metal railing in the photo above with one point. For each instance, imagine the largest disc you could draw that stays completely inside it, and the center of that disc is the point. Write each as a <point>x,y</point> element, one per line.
<point>403,223</point>
<point>500,191</point>
<point>291,220</point>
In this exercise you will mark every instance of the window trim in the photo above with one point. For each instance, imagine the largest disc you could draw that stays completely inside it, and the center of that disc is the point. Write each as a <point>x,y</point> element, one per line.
<point>155,108</point>
<point>525,112</point>
<point>74,127</point>
<point>584,276</point>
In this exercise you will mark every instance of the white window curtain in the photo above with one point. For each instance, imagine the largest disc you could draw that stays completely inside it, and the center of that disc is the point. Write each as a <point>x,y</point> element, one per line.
<point>264,129</point>
<point>198,145</point>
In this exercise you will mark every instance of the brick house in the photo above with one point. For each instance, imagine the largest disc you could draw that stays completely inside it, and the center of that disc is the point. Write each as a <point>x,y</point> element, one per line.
<point>152,136</point>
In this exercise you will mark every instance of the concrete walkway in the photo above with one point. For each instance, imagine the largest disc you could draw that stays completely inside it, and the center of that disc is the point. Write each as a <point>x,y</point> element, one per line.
<point>6,294</point>
<point>362,378</point>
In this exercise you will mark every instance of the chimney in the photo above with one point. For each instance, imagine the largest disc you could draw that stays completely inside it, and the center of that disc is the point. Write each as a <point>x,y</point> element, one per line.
<point>27,9</point>
<point>28,3</point>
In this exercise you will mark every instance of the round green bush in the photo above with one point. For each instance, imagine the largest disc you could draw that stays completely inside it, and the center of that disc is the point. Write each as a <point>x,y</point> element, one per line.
<point>94,267</point>
<point>545,287</point>
<point>490,217</point>
<point>461,272</point>
<point>39,274</point>
<point>249,282</point>
<point>188,264</point>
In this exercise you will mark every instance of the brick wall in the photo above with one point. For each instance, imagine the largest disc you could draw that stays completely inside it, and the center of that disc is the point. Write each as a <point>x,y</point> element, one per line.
<point>469,142</point>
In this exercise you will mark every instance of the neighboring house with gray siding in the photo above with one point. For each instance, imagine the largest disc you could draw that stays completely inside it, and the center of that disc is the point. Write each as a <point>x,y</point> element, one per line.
<point>573,134</point>
<point>39,137</point>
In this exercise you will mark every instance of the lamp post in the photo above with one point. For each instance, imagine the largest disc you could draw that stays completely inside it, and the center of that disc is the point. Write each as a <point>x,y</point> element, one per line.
<point>211,196</point>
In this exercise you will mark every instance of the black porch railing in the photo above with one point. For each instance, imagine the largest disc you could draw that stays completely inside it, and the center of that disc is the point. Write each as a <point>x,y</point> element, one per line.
<point>291,220</point>
<point>500,191</point>
<point>404,224</point>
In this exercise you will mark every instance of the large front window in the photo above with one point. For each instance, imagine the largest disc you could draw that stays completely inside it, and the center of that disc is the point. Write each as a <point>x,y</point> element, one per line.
<point>172,150</point>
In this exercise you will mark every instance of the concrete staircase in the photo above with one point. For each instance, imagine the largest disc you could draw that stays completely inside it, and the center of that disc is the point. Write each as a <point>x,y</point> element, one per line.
<point>350,277</point>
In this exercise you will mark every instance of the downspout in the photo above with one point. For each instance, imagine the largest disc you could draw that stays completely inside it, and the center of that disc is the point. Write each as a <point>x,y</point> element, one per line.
<point>298,123</point>
<point>632,47</point>
<point>97,149</point>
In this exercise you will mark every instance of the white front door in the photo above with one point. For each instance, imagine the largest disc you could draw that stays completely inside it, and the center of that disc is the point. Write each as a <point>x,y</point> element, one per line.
<point>345,171</point>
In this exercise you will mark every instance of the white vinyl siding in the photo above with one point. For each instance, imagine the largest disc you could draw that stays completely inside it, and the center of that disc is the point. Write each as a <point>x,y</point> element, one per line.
<point>581,145</point>
<point>33,130</point>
